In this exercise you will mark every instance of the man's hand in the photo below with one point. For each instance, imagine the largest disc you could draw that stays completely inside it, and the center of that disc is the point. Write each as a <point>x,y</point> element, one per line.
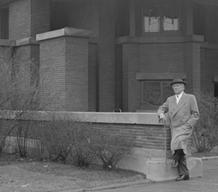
<point>162,116</point>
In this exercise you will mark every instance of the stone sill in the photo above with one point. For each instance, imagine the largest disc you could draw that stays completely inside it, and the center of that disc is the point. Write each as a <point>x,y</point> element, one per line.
<point>92,117</point>
<point>150,39</point>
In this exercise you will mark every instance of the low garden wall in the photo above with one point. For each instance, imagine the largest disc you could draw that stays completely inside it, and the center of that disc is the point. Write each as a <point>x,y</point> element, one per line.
<point>141,132</point>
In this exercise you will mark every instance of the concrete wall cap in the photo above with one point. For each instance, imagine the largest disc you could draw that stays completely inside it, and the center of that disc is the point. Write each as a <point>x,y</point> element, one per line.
<point>92,117</point>
<point>67,31</point>
<point>7,43</point>
<point>26,41</point>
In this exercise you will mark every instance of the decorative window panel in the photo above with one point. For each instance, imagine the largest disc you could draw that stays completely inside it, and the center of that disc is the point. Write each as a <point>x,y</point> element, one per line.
<point>154,93</point>
<point>170,24</point>
<point>152,24</point>
<point>160,16</point>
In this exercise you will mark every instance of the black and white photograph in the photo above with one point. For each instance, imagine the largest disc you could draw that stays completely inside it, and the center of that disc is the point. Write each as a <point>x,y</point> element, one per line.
<point>108,95</point>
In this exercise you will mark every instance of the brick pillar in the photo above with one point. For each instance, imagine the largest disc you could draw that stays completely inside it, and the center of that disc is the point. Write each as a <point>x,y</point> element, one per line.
<point>192,52</point>
<point>26,60</point>
<point>106,56</point>
<point>28,17</point>
<point>131,87</point>
<point>26,71</point>
<point>20,19</point>
<point>64,69</point>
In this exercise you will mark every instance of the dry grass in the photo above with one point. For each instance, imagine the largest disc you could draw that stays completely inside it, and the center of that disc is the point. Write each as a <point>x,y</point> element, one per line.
<point>52,176</point>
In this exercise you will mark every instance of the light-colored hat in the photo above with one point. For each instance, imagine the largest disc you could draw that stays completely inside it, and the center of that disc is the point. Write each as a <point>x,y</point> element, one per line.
<point>178,81</point>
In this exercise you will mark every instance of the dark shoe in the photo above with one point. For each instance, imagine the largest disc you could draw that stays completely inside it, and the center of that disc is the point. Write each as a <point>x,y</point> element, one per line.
<point>182,177</point>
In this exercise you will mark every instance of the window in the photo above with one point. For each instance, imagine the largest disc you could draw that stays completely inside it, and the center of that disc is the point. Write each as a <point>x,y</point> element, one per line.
<point>154,93</point>
<point>215,89</point>
<point>4,16</point>
<point>159,16</point>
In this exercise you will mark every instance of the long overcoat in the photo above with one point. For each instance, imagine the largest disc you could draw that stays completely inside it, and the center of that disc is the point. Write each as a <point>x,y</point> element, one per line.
<point>182,118</point>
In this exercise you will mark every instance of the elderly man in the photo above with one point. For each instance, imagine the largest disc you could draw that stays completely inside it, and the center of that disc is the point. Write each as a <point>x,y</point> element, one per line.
<point>181,111</point>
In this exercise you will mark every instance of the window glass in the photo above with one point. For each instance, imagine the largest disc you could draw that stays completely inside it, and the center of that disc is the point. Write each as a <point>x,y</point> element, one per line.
<point>170,24</point>
<point>152,24</point>
<point>161,16</point>
<point>154,93</point>
<point>215,89</point>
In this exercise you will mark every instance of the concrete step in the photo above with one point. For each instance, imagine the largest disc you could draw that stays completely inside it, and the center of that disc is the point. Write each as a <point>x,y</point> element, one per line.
<point>159,169</point>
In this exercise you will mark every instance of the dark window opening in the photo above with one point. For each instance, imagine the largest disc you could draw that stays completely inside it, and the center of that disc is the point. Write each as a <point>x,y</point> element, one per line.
<point>154,93</point>
<point>4,15</point>
<point>216,89</point>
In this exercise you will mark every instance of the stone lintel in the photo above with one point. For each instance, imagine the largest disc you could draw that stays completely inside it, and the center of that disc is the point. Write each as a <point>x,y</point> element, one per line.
<point>72,32</point>
<point>7,43</point>
<point>209,46</point>
<point>159,76</point>
<point>93,117</point>
<point>4,2</point>
<point>26,41</point>
<point>154,39</point>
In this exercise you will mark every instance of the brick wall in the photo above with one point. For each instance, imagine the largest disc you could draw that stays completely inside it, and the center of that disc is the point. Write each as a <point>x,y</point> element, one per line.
<point>40,16</point>
<point>27,62</point>
<point>28,17</point>
<point>93,76</point>
<point>158,55</point>
<point>142,128</point>
<point>20,19</point>
<point>64,69</point>
<point>209,69</point>
<point>76,74</point>
<point>106,56</point>
<point>52,74</point>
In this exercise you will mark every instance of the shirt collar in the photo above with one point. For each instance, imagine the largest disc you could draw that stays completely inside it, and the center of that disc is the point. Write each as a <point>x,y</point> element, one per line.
<point>180,95</point>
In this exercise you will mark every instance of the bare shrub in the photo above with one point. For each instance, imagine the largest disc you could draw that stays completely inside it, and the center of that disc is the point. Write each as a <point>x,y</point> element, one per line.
<point>83,144</point>
<point>66,141</point>
<point>110,148</point>
<point>206,131</point>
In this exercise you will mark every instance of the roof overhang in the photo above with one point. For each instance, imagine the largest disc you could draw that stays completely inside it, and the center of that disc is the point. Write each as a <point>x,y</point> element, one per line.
<point>207,2</point>
<point>5,2</point>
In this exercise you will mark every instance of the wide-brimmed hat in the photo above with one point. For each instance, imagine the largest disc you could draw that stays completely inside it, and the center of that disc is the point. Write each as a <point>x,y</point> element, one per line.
<point>178,81</point>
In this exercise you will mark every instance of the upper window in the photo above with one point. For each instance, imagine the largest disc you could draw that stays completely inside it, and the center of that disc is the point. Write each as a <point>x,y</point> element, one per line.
<point>160,16</point>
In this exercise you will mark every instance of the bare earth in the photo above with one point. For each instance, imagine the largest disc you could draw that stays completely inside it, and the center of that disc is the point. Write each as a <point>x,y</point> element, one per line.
<point>32,176</point>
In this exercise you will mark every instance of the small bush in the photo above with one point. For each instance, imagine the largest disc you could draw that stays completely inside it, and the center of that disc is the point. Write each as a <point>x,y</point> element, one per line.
<point>110,148</point>
<point>57,140</point>
<point>206,131</point>
<point>82,144</point>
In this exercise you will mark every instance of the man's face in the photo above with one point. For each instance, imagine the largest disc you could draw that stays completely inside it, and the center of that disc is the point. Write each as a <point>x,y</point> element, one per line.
<point>178,88</point>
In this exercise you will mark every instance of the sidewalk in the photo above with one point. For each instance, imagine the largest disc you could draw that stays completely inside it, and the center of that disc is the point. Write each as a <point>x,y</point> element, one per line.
<point>51,177</point>
<point>208,183</point>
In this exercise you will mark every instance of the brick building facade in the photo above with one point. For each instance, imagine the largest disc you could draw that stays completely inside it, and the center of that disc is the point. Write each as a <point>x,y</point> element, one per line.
<point>101,55</point>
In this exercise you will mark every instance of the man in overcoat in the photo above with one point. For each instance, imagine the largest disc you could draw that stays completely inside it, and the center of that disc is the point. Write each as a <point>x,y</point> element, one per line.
<point>181,111</point>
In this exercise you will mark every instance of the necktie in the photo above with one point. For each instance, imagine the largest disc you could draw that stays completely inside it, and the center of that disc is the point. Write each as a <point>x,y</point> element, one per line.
<point>177,99</point>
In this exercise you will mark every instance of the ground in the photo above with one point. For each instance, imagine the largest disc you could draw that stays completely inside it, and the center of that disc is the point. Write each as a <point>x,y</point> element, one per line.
<point>27,175</point>
<point>22,175</point>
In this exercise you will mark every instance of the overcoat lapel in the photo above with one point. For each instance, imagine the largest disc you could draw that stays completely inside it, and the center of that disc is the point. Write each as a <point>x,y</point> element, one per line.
<point>179,105</point>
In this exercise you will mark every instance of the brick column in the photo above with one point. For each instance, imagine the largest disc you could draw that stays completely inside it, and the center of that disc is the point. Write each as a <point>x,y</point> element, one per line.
<point>64,69</point>
<point>28,17</point>
<point>130,86</point>
<point>26,71</point>
<point>193,63</point>
<point>106,56</point>
<point>26,60</point>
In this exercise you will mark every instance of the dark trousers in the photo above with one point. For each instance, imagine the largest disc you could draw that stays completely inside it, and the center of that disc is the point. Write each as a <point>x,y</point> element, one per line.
<point>180,160</point>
